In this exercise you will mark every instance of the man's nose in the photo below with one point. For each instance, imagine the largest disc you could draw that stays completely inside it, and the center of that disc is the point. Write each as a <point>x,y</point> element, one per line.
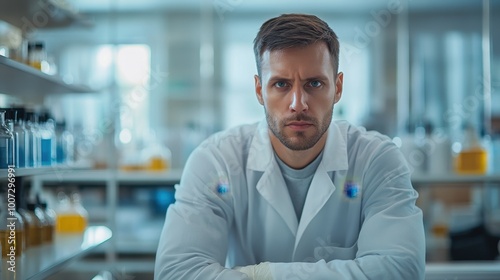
<point>299,100</point>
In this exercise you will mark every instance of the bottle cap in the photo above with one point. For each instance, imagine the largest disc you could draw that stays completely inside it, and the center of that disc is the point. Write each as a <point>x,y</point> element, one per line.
<point>9,113</point>
<point>19,113</point>
<point>35,46</point>
<point>31,206</point>
<point>31,116</point>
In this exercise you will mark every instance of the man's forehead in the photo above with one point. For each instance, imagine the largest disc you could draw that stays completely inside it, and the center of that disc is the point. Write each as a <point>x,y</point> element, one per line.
<point>314,58</point>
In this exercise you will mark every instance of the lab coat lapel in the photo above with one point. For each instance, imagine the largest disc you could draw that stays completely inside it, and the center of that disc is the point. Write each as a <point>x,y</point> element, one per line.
<point>271,185</point>
<point>273,188</point>
<point>322,186</point>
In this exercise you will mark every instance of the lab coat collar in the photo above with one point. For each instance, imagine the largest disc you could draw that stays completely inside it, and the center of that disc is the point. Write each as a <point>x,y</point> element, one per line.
<point>335,151</point>
<point>261,154</point>
<point>272,185</point>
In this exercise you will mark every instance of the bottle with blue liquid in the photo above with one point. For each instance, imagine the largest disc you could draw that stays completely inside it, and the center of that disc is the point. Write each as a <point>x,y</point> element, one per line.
<point>47,142</point>
<point>64,144</point>
<point>6,144</point>
<point>14,119</point>
<point>34,145</point>
<point>22,136</point>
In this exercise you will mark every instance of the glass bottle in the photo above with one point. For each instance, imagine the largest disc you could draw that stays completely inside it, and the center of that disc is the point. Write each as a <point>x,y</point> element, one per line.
<point>6,144</point>
<point>9,122</point>
<point>71,217</point>
<point>41,223</point>
<point>36,54</point>
<point>156,156</point>
<point>50,217</point>
<point>12,238</point>
<point>472,158</point>
<point>30,225</point>
<point>34,140</point>
<point>22,135</point>
<point>64,144</point>
<point>46,130</point>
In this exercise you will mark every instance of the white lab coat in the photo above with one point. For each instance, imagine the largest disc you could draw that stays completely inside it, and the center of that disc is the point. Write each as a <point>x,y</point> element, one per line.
<point>233,209</point>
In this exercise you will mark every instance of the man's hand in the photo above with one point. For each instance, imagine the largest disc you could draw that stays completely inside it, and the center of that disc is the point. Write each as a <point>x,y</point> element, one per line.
<point>260,271</point>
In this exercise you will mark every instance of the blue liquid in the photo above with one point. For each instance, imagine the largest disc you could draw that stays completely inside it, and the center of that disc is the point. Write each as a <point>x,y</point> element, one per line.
<point>3,157</point>
<point>60,154</point>
<point>22,157</point>
<point>5,153</point>
<point>46,152</point>
<point>31,150</point>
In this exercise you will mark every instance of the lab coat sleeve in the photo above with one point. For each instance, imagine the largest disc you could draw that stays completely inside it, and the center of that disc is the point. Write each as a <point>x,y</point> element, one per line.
<point>391,242</point>
<point>194,240</point>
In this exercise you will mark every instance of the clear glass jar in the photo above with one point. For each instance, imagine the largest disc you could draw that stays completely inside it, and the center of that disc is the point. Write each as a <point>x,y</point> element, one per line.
<point>473,157</point>
<point>71,217</point>
<point>36,54</point>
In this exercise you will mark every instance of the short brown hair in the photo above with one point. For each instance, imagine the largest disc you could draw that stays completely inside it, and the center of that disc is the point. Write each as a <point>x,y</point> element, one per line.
<point>295,30</point>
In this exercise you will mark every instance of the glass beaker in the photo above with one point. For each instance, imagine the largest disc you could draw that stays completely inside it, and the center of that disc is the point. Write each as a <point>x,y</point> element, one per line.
<point>473,158</point>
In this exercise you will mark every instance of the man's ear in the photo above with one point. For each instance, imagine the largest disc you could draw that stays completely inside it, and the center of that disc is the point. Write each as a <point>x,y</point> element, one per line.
<point>339,83</point>
<point>258,89</point>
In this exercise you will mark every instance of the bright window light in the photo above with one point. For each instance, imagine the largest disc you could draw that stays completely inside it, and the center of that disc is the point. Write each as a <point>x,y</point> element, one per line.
<point>125,136</point>
<point>133,65</point>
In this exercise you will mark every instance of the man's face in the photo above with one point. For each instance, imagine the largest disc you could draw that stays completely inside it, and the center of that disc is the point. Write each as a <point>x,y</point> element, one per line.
<point>298,88</point>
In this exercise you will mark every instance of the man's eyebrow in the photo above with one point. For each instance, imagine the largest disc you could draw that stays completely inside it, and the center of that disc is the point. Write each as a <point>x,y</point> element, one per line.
<point>276,78</point>
<point>316,77</point>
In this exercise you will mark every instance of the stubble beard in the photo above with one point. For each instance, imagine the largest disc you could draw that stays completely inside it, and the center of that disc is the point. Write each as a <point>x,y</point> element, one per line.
<point>303,142</point>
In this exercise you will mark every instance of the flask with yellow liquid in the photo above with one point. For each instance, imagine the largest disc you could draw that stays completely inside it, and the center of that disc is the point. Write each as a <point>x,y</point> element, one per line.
<point>36,54</point>
<point>473,158</point>
<point>156,156</point>
<point>71,217</point>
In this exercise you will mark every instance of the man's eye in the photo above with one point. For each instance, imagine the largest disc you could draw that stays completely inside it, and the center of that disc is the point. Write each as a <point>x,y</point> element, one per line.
<point>315,84</point>
<point>280,84</point>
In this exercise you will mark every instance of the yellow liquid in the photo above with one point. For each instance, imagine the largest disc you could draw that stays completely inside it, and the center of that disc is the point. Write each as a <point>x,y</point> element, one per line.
<point>157,164</point>
<point>48,235</point>
<point>18,242</point>
<point>36,64</point>
<point>71,223</point>
<point>131,167</point>
<point>473,161</point>
<point>34,236</point>
<point>440,230</point>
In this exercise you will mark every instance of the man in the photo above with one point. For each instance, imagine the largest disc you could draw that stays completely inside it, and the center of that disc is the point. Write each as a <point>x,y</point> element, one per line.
<point>296,196</point>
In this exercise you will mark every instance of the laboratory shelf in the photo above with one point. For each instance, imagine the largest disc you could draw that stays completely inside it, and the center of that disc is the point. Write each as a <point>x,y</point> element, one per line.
<point>135,178</point>
<point>465,270</point>
<point>29,15</point>
<point>56,171</point>
<point>42,261</point>
<point>430,179</point>
<point>18,79</point>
